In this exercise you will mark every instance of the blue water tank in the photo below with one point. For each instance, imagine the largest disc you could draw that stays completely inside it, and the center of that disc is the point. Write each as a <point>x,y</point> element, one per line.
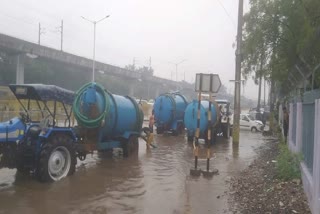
<point>190,117</point>
<point>169,111</point>
<point>111,115</point>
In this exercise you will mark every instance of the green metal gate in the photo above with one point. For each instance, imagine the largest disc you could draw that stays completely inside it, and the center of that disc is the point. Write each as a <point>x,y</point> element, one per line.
<point>308,127</point>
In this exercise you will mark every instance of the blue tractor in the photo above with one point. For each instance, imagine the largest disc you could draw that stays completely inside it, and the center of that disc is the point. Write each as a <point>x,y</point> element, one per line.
<point>44,145</point>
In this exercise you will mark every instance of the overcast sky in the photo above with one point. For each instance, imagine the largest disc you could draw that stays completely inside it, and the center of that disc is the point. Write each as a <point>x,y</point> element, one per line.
<point>201,32</point>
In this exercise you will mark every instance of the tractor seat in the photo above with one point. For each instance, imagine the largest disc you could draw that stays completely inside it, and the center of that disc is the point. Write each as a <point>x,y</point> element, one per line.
<point>34,131</point>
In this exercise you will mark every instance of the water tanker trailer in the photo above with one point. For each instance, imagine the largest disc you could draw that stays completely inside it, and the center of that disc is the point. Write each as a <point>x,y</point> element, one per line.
<point>190,119</point>
<point>169,111</point>
<point>105,120</point>
<point>44,141</point>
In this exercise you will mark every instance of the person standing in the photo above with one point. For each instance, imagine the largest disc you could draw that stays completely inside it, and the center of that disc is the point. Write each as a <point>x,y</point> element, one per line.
<point>285,122</point>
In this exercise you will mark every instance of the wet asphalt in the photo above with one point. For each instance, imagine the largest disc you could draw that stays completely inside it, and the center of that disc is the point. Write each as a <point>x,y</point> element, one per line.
<point>149,181</point>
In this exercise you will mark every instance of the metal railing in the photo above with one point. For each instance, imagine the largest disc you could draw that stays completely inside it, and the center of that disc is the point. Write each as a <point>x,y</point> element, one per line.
<point>294,123</point>
<point>308,127</point>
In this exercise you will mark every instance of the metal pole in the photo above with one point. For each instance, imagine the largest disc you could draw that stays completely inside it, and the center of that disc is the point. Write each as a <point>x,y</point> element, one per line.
<point>150,63</point>
<point>39,34</point>
<point>313,79</point>
<point>209,124</point>
<point>303,76</point>
<point>264,92</point>
<point>94,49</point>
<point>236,118</point>
<point>259,93</point>
<point>61,34</point>
<point>94,41</point>
<point>176,72</point>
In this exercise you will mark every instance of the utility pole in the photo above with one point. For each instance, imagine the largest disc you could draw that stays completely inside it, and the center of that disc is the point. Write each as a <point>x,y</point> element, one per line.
<point>260,83</point>
<point>41,31</point>
<point>259,93</point>
<point>176,72</point>
<point>237,88</point>
<point>264,92</point>
<point>150,63</point>
<point>134,63</point>
<point>176,64</point>
<point>61,28</point>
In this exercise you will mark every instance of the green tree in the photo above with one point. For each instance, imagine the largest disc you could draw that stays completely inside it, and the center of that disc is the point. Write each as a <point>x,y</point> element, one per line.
<point>279,34</point>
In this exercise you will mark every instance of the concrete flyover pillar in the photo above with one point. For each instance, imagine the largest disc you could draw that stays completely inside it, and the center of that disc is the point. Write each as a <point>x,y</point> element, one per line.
<point>20,69</point>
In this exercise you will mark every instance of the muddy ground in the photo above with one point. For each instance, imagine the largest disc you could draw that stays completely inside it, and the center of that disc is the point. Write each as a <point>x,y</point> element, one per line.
<point>258,190</point>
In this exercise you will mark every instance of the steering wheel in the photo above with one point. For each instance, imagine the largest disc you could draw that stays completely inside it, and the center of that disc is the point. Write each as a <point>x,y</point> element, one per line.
<point>45,122</point>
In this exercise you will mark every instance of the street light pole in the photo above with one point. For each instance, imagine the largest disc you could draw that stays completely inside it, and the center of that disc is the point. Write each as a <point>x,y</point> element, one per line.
<point>176,64</point>
<point>176,72</point>
<point>94,41</point>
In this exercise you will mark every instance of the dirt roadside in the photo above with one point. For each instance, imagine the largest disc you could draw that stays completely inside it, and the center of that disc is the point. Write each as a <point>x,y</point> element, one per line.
<point>257,189</point>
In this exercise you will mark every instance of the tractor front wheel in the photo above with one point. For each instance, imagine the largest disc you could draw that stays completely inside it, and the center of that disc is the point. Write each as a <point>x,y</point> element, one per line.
<point>57,159</point>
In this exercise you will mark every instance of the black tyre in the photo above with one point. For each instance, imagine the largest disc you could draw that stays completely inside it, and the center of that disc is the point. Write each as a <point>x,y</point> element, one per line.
<point>226,131</point>
<point>129,146</point>
<point>213,135</point>
<point>25,159</point>
<point>254,129</point>
<point>175,132</point>
<point>57,159</point>
<point>180,128</point>
<point>190,138</point>
<point>159,130</point>
<point>134,143</point>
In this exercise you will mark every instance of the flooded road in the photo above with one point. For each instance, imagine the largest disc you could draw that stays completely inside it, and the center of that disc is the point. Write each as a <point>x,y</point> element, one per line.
<point>152,181</point>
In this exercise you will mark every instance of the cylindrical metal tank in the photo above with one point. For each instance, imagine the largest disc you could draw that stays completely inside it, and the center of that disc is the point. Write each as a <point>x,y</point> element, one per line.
<point>112,115</point>
<point>169,111</point>
<point>190,117</point>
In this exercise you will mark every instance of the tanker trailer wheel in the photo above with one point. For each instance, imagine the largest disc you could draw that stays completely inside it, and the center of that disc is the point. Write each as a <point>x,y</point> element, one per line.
<point>190,138</point>
<point>130,145</point>
<point>226,131</point>
<point>159,130</point>
<point>57,159</point>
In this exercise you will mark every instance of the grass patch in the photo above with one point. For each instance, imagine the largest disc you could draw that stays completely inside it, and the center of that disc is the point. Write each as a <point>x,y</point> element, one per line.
<point>288,164</point>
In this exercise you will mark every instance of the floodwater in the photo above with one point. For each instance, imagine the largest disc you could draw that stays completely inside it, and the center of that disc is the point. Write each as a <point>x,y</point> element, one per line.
<point>152,181</point>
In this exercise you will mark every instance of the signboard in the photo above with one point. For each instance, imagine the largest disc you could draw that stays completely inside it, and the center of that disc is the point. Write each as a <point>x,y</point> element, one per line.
<point>207,83</point>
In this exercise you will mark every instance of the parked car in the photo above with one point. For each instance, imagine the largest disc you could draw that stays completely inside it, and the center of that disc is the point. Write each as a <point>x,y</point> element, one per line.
<point>247,122</point>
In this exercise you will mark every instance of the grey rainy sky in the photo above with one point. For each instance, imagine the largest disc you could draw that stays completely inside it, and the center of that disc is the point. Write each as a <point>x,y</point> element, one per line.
<point>198,31</point>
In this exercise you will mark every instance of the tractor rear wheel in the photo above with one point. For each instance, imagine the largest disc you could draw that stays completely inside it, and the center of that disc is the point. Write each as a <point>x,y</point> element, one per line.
<point>57,159</point>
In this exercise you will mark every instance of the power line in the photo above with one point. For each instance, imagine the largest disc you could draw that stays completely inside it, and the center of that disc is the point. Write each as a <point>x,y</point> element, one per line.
<point>228,14</point>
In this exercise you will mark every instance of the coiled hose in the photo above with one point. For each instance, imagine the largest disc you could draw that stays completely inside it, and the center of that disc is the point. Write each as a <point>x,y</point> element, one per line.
<point>84,120</point>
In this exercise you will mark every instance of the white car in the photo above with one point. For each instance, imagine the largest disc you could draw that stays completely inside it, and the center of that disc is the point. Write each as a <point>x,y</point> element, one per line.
<point>248,123</point>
